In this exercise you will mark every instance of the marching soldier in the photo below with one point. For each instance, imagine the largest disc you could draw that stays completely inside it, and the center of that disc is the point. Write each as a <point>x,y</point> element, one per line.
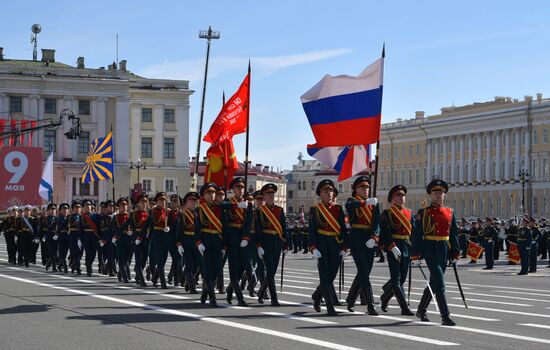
<point>435,239</point>
<point>186,232</point>
<point>209,240</point>
<point>176,265</point>
<point>139,223</point>
<point>89,235</point>
<point>463,237</point>
<point>543,246</point>
<point>396,227</point>
<point>122,237</point>
<point>106,243</point>
<point>257,261</point>
<point>524,245</point>
<point>489,235</point>
<point>511,236</point>
<point>271,237</point>
<point>42,229</point>
<point>27,230</point>
<point>220,199</point>
<point>35,243</point>
<point>49,234</point>
<point>327,234</point>
<point>236,237</point>
<point>533,253</point>
<point>160,237</point>
<point>75,244</point>
<point>9,229</point>
<point>62,235</point>
<point>364,218</point>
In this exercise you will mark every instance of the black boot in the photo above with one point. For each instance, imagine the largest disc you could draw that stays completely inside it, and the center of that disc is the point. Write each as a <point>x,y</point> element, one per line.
<point>328,302</point>
<point>316,296</point>
<point>139,278</point>
<point>154,278</point>
<point>400,296</point>
<point>362,297</point>
<point>148,273</point>
<point>353,293</point>
<point>88,270</point>
<point>48,264</point>
<point>191,283</point>
<point>162,278</point>
<point>239,294</point>
<point>251,278</point>
<point>212,295</point>
<point>229,293</point>
<point>262,292</point>
<point>371,310</point>
<point>444,310</point>
<point>244,279</point>
<point>386,296</point>
<point>273,293</point>
<point>423,306</point>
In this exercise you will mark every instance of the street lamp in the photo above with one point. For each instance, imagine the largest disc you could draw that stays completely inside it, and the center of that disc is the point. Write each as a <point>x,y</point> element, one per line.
<point>524,177</point>
<point>138,165</point>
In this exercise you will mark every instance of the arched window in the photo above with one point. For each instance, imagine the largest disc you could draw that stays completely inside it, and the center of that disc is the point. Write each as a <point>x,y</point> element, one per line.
<point>304,185</point>
<point>299,185</point>
<point>313,185</point>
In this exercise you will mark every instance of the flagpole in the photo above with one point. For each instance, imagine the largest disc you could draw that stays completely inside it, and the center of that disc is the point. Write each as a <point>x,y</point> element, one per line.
<point>247,132</point>
<point>378,141</point>
<point>113,178</point>
<point>224,163</point>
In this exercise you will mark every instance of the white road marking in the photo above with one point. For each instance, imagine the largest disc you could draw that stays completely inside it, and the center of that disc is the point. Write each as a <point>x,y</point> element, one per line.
<point>534,325</point>
<point>493,302</point>
<point>403,336</point>
<point>299,318</point>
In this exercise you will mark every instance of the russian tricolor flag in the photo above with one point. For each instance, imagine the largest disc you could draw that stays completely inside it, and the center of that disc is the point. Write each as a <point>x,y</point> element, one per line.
<point>346,110</point>
<point>347,161</point>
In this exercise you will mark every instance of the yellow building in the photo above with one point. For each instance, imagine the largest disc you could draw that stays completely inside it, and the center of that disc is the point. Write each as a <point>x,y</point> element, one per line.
<point>479,149</point>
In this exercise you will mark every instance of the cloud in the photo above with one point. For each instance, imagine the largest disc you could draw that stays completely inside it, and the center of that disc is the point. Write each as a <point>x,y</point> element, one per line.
<point>263,65</point>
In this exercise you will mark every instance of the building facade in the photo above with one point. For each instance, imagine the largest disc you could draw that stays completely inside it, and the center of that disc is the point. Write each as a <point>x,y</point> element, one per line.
<point>304,178</point>
<point>149,119</point>
<point>480,150</point>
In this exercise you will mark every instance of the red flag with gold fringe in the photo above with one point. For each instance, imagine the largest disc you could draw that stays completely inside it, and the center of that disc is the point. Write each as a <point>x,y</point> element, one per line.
<point>474,250</point>
<point>513,253</point>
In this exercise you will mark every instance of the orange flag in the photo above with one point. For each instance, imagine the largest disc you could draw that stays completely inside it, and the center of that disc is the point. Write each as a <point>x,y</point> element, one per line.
<point>474,250</point>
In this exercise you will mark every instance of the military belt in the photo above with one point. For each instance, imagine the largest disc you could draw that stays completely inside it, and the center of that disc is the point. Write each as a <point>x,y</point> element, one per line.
<point>235,225</point>
<point>270,232</point>
<point>188,233</point>
<point>158,228</point>
<point>394,236</point>
<point>207,230</point>
<point>361,226</point>
<point>436,238</point>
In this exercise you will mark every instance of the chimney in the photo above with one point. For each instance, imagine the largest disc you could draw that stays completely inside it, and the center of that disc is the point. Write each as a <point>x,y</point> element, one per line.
<point>539,97</point>
<point>1,53</point>
<point>122,66</point>
<point>258,167</point>
<point>528,98</point>
<point>80,62</point>
<point>266,169</point>
<point>419,115</point>
<point>48,55</point>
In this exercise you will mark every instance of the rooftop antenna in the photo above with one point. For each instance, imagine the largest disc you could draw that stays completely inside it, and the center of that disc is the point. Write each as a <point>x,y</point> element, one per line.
<point>36,28</point>
<point>116,49</point>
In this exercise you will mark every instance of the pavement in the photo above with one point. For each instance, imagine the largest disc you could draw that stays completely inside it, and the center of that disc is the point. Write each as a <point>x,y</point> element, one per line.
<point>45,310</point>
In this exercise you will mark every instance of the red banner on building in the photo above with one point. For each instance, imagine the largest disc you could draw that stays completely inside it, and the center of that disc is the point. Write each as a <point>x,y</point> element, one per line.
<point>20,173</point>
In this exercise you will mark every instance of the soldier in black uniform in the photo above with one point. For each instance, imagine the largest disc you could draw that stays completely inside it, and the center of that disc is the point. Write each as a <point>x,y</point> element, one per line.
<point>75,244</point>
<point>489,235</point>
<point>463,237</point>
<point>524,245</point>
<point>186,232</point>
<point>543,246</point>
<point>49,230</point>
<point>9,228</point>
<point>106,232</point>
<point>89,235</point>
<point>62,235</point>
<point>42,230</point>
<point>535,237</point>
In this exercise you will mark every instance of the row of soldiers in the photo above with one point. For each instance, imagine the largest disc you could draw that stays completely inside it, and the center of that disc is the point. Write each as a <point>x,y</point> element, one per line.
<point>203,229</point>
<point>494,235</point>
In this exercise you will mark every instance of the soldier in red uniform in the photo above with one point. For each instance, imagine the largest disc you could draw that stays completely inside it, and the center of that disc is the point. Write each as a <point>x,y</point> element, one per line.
<point>122,239</point>
<point>176,266</point>
<point>139,224</point>
<point>396,225</point>
<point>160,237</point>
<point>185,237</point>
<point>435,239</point>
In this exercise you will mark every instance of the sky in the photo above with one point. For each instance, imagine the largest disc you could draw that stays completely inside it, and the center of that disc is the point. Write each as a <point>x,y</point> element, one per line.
<point>438,53</point>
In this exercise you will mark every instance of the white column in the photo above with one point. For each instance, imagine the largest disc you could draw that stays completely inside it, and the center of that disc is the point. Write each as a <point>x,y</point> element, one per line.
<point>516,153</point>
<point>489,150</point>
<point>479,158</point>
<point>436,158</point>
<point>33,113</point>
<point>470,158</point>
<point>39,137</point>
<point>527,153</point>
<point>67,144</point>
<point>3,107</point>
<point>428,161</point>
<point>60,138</point>
<point>122,137</point>
<point>158,141</point>
<point>445,152</point>
<point>507,153</point>
<point>453,159</point>
<point>182,139</point>
<point>461,150</point>
<point>101,116</point>
<point>498,160</point>
<point>135,142</point>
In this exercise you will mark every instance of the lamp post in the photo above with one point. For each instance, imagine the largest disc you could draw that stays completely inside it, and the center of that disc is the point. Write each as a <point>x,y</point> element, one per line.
<point>524,177</point>
<point>138,165</point>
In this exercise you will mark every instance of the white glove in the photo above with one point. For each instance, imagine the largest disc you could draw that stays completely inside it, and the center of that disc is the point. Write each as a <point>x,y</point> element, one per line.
<point>285,251</point>
<point>15,239</point>
<point>415,262</point>
<point>201,248</point>
<point>36,241</point>
<point>316,253</point>
<point>343,253</point>
<point>114,240</point>
<point>372,201</point>
<point>261,252</point>
<point>79,243</point>
<point>455,262</point>
<point>101,244</point>
<point>55,237</point>
<point>371,243</point>
<point>2,233</point>
<point>129,233</point>
<point>244,243</point>
<point>396,252</point>
<point>180,250</point>
<point>223,253</point>
<point>242,205</point>
<point>137,241</point>
<point>44,239</point>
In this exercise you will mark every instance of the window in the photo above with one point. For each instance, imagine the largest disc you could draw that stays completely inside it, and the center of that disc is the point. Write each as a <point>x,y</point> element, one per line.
<point>84,107</point>
<point>410,178</point>
<point>168,115</point>
<point>395,153</point>
<point>49,140</point>
<point>291,210</point>
<point>290,194</point>
<point>388,153</point>
<point>522,138</point>
<point>481,207</point>
<point>147,185</point>
<point>544,136</point>
<point>535,137</point>
<point>146,115</point>
<point>417,173</point>
<point>146,147</point>
<point>418,150</point>
<point>544,205</point>
<point>544,168</point>
<point>535,205</point>
<point>312,185</point>
<point>304,185</point>
<point>299,185</point>
<point>16,104</point>
<point>340,188</point>
<point>168,148</point>
<point>84,142</point>
<point>50,106</point>
<point>169,185</point>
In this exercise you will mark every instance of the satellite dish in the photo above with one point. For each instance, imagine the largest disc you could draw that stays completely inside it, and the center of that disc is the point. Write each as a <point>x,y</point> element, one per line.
<point>36,28</point>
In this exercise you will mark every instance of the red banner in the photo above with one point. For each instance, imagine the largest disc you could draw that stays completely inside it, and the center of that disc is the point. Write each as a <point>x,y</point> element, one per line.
<point>221,163</point>
<point>13,124</point>
<point>2,125</point>
<point>20,173</point>
<point>474,250</point>
<point>232,117</point>
<point>513,253</point>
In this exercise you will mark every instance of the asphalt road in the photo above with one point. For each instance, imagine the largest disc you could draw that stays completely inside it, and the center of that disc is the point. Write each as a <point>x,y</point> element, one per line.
<point>44,310</point>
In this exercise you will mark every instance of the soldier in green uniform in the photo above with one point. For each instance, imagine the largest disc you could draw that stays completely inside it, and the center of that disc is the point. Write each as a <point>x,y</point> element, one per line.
<point>435,239</point>
<point>396,227</point>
